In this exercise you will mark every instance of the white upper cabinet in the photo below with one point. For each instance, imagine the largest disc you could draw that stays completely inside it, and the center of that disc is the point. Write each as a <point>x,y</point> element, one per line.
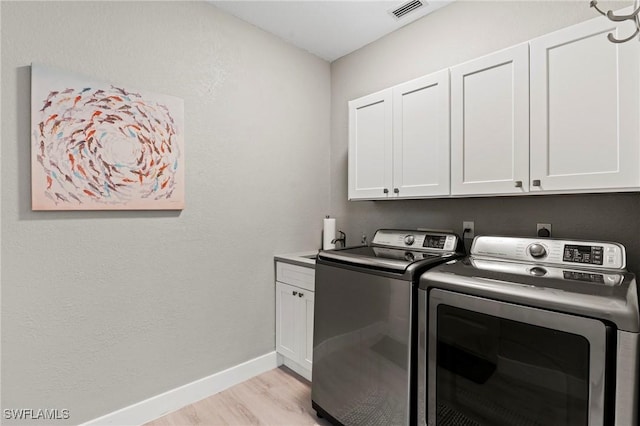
<point>585,109</point>
<point>490,124</point>
<point>558,114</point>
<point>421,136</point>
<point>370,149</point>
<point>399,141</point>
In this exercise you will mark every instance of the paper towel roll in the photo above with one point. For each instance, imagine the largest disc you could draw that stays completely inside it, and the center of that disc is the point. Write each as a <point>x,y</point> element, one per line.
<point>329,233</point>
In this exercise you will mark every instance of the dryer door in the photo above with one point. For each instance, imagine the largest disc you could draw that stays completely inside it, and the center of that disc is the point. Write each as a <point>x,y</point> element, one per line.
<point>495,363</point>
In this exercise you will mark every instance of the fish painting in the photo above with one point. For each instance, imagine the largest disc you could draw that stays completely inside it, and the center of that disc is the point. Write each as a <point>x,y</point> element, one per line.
<point>94,146</point>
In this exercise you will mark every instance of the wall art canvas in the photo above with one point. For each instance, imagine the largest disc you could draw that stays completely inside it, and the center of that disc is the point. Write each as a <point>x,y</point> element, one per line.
<point>100,146</point>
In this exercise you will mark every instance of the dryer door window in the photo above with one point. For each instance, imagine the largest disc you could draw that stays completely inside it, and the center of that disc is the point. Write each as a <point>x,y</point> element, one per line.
<point>492,363</point>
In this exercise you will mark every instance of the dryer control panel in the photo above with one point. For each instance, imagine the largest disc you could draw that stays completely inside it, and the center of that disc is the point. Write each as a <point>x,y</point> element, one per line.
<point>581,254</point>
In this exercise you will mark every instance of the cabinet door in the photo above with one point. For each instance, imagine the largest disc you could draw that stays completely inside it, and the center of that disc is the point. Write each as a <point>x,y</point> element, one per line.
<point>306,320</point>
<point>286,321</point>
<point>490,124</point>
<point>370,152</point>
<point>421,136</point>
<point>584,108</point>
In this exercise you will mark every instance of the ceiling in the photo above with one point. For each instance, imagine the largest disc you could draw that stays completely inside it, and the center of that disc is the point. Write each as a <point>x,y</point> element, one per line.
<point>329,29</point>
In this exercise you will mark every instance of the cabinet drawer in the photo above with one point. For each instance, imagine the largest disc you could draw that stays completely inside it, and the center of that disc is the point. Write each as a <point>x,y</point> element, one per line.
<point>298,276</point>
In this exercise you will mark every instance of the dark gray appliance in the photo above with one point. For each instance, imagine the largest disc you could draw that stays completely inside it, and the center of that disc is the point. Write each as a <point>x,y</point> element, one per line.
<point>365,315</point>
<point>529,332</point>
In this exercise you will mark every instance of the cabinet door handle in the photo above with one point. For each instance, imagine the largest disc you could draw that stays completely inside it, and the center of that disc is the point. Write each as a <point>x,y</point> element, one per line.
<point>396,191</point>
<point>536,182</point>
<point>518,184</point>
<point>300,294</point>
<point>386,190</point>
<point>295,293</point>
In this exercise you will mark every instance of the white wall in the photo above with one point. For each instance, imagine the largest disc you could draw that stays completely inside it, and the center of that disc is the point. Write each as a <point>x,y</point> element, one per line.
<point>457,33</point>
<point>104,309</point>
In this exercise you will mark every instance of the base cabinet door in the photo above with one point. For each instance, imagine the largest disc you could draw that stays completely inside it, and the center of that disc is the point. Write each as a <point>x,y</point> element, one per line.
<point>286,328</point>
<point>307,334</point>
<point>490,124</point>
<point>585,95</point>
<point>294,327</point>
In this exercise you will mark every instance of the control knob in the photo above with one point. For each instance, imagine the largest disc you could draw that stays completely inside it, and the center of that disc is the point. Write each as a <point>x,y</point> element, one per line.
<point>409,239</point>
<point>538,271</point>
<point>537,250</point>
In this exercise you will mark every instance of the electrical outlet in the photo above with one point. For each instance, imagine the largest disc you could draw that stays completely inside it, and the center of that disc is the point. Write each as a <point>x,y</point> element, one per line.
<point>543,230</point>
<point>468,225</point>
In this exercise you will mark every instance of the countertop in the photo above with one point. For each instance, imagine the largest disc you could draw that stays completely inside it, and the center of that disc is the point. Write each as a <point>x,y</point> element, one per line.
<point>305,258</point>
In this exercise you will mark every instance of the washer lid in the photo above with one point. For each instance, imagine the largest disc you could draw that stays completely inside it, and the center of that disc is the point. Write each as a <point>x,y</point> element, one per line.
<point>401,251</point>
<point>603,294</point>
<point>395,260</point>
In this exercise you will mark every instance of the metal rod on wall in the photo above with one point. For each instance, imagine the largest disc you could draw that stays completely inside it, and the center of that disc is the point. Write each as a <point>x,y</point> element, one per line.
<point>619,18</point>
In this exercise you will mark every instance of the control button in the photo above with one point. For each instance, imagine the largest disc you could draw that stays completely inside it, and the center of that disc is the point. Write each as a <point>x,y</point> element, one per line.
<point>537,250</point>
<point>409,239</point>
<point>538,271</point>
<point>612,279</point>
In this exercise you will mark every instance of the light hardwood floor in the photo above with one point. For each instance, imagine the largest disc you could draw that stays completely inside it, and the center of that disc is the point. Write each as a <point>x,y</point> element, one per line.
<point>278,397</point>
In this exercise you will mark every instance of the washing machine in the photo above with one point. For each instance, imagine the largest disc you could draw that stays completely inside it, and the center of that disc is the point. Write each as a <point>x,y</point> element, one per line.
<point>365,314</point>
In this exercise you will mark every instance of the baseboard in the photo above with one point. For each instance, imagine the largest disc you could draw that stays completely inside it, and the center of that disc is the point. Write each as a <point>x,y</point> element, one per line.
<point>167,402</point>
<point>297,368</point>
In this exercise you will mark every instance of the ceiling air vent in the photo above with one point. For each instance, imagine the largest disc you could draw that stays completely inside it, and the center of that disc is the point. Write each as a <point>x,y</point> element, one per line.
<point>406,8</point>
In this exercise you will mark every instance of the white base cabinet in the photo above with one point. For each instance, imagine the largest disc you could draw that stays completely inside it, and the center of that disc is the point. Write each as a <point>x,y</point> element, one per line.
<point>294,317</point>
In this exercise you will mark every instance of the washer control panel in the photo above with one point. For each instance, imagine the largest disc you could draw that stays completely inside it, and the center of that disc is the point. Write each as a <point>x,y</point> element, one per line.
<point>416,240</point>
<point>586,254</point>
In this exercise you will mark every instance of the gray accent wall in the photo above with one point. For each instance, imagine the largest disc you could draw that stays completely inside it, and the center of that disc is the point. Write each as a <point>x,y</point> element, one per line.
<point>101,310</point>
<point>457,33</point>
